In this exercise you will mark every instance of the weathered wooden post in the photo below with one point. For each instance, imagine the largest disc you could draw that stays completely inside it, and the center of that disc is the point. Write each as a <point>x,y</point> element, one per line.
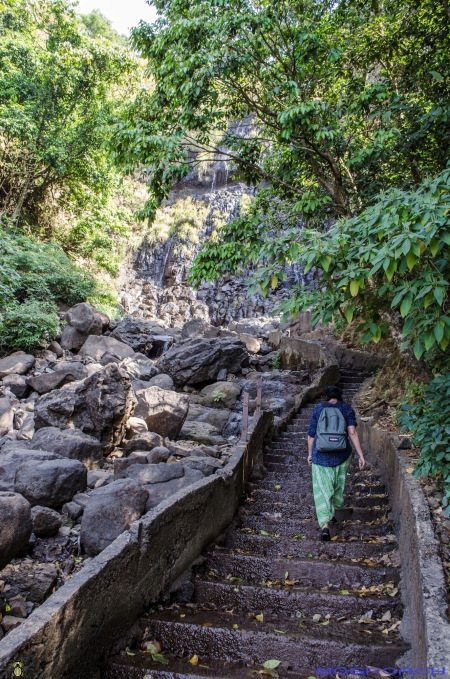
<point>259,397</point>
<point>244,418</point>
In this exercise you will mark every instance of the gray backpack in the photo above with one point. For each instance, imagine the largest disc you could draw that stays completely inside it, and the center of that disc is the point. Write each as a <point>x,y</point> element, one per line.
<point>331,430</point>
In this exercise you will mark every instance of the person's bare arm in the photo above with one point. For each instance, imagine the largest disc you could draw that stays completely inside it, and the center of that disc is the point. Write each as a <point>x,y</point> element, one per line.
<point>354,438</point>
<point>310,447</point>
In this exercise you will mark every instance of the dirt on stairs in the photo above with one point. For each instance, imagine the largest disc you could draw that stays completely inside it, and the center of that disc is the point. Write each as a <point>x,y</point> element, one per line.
<point>272,599</point>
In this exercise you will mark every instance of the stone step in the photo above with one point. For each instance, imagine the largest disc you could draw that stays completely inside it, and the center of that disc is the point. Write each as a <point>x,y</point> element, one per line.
<point>308,572</point>
<point>209,634</point>
<point>289,600</point>
<point>365,512</point>
<point>282,546</point>
<point>292,527</point>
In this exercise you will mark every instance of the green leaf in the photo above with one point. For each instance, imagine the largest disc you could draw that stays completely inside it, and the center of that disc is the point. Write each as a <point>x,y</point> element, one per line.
<point>437,76</point>
<point>349,313</point>
<point>438,332</point>
<point>406,304</point>
<point>410,260</point>
<point>439,295</point>
<point>354,288</point>
<point>418,349</point>
<point>271,664</point>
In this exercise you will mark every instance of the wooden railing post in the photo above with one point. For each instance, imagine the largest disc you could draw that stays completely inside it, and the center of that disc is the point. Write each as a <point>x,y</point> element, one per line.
<point>244,418</point>
<point>259,397</point>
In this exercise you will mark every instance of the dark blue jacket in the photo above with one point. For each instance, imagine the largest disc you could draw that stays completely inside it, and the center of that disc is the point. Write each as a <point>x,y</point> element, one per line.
<point>331,459</point>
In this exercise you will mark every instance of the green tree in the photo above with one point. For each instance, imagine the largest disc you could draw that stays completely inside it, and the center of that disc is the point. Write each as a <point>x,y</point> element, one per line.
<point>59,90</point>
<point>336,101</point>
<point>99,26</point>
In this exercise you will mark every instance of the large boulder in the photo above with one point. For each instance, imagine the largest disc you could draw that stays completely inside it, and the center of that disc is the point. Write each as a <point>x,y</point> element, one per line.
<point>198,327</point>
<point>221,394</point>
<point>6,416</point>
<point>194,361</point>
<point>155,473</point>
<point>15,525</point>
<point>17,384</point>
<point>11,460</point>
<point>206,465</point>
<point>218,417</point>
<point>82,320</point>
<point>96,348</point>
<point>110,511</point>
<point>146,440</point>
<point>158,492</point>
<point>163,411</point>
<point>71,443</point>
<point>100,406</point>
<point>139,367</point>
<point>162,381</point>
<point>50,483</point>
<point>19,362</point>
<point>137,333</point>
<point>66,371</point>
<point>46,521</point>
<point>202,432</point>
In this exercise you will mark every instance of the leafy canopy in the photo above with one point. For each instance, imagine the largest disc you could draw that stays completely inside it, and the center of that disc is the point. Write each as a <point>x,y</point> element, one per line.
<point>331,102</point>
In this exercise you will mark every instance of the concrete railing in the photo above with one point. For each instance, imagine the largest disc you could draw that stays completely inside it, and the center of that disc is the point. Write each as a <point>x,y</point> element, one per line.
<point>425,622</point>
<point>75,627</point>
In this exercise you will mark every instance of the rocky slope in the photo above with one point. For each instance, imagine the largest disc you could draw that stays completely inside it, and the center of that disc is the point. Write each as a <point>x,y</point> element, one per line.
<point>106,424</point>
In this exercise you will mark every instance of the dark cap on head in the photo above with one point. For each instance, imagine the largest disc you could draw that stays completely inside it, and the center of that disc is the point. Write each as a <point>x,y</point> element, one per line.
<point>334,392</point>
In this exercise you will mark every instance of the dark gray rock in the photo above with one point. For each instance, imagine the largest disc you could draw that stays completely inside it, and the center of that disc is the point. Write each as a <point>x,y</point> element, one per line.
<point>17,384</point>
<point>145,441</point>
<point>98,475</point>
<point>139,367</point>
<point>206,465</point>
<point>81,499</point>
<point>136,425</point>
<point>73,510</point>
<point>6,416</point>
<point>19,362</point>
<point>162,381</point>
<point>157,455</point>
<point>137,333</point>
<point>198,327</point>
<point>82,320</point>
<point>110,511</point>
<point>50,483</point>
<point>96,347</point>
<point>56,348</point>
<point>15,525</point>
<point>194,361</point>
<point>158,492</point>
<point>14,457</point>
<point>71,443</point>
<point>121,464</point>
<point>66,371</point>
<point>100,406</point>
<point>155,473</point>
<point>163,411</point>
<point>46,521</point>
<point>202,432</point>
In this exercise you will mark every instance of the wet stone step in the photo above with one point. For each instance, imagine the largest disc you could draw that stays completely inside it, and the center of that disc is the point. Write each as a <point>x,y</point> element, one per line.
<point>289,600</point>
<point>306,510</point>
<point>272,523</point>
<point>282,546</point>
<point>213,635</point>
<point>308,572</point>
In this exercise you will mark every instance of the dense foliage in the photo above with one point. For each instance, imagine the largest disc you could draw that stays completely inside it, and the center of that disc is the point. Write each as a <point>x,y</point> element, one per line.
<point>62,84</point>
<point>428,418</point>
<point>332,102</point>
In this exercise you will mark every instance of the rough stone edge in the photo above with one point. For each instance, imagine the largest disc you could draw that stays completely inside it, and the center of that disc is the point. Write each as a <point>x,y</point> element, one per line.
<point>67,635</point>
<point>426,624</point>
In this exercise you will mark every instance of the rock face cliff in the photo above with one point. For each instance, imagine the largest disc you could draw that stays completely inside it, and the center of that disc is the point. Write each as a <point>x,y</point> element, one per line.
<point>156,287</point>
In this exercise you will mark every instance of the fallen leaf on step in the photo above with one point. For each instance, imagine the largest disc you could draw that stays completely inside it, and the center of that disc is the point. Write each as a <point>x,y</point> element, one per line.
<point>392,627</point>
<point>207,624</point>
<point>260,617</point>
<point>235,626</point>
<point>327,622</point>
<point>194,660</point>
<point>386,617</point>
<point>316,617</point>
<point>300,537</point>
<point>158,657</point>
<point>128,652</point>
<point>344,591</point>
<point>279,631</point>
<point>271,664</point>
<point>410,470</point>
<point>286,575</point>
<point>264,532</point>
<point>277,487</point>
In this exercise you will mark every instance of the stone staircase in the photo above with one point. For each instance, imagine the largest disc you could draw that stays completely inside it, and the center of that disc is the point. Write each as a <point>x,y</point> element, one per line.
<point>273,592</point>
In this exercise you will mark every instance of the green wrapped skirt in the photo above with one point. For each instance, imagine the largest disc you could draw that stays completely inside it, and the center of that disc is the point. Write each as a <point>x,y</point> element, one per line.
<point>328,489</point>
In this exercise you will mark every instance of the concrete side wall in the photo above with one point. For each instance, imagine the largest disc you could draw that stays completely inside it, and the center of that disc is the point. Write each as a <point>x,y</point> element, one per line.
<point>354,359</point>
<point>423,585</point>
<point>68,634</point>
